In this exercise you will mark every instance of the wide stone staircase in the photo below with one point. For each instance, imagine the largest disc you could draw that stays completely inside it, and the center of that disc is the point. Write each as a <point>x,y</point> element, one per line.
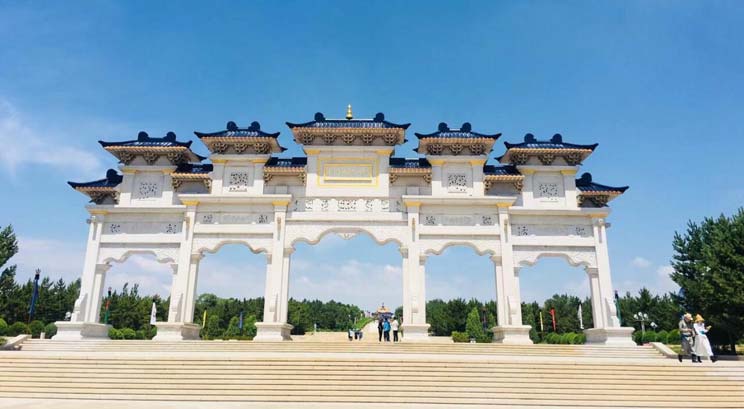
<point>358,374</point>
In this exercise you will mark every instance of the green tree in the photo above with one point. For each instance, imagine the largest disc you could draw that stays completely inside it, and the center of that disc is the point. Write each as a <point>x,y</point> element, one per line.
<point>474,326</point>
<point>232,330</point>
<point>708,263</point>
<point>249,326</point>
<point>8,287</point>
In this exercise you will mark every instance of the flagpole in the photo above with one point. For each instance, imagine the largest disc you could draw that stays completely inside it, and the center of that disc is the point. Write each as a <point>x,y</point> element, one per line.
<point>34,296</point>
<point>542,328</point>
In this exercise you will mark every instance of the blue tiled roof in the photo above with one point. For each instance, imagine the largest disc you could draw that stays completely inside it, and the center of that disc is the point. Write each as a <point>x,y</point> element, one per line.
<point>556,142</point>
<point>287,162</point>
<point>112,180</point>
<point>194,168</point>
<point>321,122</point>
<point>465,131</point>
<point>232,130</point>
<point>409,163</point>
<point>143,139</point>
<point>585,184</point>
<point>501,170</point>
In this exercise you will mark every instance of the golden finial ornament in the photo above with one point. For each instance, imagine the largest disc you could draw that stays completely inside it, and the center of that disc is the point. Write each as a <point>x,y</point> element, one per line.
<point>349,115</point>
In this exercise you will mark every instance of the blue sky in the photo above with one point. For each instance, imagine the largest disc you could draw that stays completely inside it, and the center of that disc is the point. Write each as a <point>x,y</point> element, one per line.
<point>658,85</point>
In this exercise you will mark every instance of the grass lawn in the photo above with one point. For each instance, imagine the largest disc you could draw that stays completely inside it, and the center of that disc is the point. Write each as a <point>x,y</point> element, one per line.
<point>677,348</point>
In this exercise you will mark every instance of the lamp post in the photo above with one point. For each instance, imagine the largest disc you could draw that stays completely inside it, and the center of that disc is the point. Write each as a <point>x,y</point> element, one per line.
<point>642,317</point>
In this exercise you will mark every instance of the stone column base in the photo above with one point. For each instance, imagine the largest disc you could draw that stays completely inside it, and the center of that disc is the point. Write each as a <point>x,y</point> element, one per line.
<point>616,336</point>
<point>512,334</point>
<point>79,331</point>
<point>415,333</point>
<point>272,331</point>
<point>176,331</point>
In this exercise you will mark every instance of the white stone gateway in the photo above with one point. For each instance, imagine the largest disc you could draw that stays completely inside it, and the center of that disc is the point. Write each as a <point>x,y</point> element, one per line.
<point>169,204</point>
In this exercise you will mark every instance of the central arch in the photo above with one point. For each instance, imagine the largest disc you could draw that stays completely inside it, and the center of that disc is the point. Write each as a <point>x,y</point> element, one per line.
<point>357,269</point>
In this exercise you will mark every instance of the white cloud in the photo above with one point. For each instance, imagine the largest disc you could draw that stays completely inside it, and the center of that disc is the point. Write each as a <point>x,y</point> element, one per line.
<point>24,145</point>
<point>659,283</point>
<point>640,262</point>
<point>351,281</point>
<point>56,258</point>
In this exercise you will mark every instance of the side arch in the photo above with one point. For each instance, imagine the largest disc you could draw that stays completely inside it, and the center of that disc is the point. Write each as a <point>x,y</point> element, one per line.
<point>481,247</point>
<point>119,253</point>
<point>575,256</point>
<point>212,245</point>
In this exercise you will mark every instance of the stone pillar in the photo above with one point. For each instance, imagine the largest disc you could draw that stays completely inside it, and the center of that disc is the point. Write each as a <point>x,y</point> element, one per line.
<point>180,325</point>
<point>84,323</point>
<point>510,329</point>
<point>415,328</point>
<point>598,316</point>
<point>607,329</point>
<point>274,326</point>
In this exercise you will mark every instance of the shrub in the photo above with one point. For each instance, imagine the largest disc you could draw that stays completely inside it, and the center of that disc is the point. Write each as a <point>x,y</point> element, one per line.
<point>128,333</point>
<point>673,337</point>
<point>649,336</point>
<point>2,341</point>
<point>36,327</point>
<point>50,330</point>
<point>3,327</point>
<point>662,336</point>
<point>140,334</point>
<point>552,338</point>
<point>637,337</point>
<point>568,338</point>
<point>580,339</point>
<point>115,334</point>
<point>18,328</point>
<point>460,336</point>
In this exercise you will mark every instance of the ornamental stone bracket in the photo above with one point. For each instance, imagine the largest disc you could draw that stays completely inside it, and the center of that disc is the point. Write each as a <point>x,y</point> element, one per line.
<point>312,233</point>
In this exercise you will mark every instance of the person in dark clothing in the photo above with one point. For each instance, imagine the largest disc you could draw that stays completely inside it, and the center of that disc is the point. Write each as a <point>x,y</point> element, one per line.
<point>379,329</point>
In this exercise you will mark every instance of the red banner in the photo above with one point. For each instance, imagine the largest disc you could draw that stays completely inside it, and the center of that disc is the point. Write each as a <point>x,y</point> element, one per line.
<point>552,315</point>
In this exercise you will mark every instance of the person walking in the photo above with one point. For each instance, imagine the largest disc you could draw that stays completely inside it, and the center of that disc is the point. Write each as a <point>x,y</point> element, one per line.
<point>702,343</point>
<point>687,335</point>
<point>379,329</point>
<point>386,330</point>
<point>394,326</point>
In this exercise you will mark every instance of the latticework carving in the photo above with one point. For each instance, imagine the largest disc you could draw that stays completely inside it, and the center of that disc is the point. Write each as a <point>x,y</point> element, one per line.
<point>547,158</point>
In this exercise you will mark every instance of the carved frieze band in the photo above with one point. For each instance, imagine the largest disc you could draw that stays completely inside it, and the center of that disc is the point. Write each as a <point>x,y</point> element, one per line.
<point>346,205</point>
<point>575,230</point>
<point>459,220</point>
<point>142,227</point>
<point>234,218</point>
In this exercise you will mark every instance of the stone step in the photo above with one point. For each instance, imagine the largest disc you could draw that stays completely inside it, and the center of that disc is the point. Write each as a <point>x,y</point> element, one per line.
<point>348,374</point>
<point>447,400</point>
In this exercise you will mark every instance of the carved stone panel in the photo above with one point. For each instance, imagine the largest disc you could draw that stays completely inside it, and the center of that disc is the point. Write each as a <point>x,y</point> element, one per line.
<point>238,181</point>
<point>457,183</point>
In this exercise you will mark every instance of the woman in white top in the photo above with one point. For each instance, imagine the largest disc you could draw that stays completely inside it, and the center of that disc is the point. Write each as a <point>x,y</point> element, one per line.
<point>394,327</point>
<point>702,344</point>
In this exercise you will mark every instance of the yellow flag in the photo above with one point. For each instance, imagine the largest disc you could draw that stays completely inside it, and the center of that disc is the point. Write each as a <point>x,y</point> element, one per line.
<point>204,319</point>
